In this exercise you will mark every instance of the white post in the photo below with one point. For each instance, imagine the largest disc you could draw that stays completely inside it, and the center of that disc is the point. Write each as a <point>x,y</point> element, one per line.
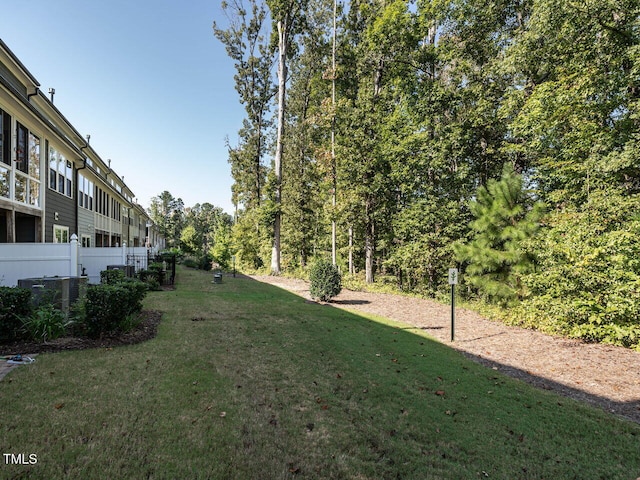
<point>74,259</point>
<point>124,253</point>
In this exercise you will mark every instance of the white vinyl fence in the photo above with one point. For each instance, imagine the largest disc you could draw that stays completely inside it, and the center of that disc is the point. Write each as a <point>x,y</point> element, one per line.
<point>36,260</point>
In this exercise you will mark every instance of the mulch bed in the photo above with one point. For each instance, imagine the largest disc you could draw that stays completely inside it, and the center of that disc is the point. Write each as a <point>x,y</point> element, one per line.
<point>145,330</point>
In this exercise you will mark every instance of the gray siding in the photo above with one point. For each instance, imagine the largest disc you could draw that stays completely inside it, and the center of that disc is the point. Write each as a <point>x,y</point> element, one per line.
<point>65,207</point>
<point>86,224</point>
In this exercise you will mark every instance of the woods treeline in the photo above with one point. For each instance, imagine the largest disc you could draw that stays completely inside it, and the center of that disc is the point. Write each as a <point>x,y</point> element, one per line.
<point>404,138</point>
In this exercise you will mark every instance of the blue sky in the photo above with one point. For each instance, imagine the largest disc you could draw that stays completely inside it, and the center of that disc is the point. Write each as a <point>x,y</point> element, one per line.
<point>146,79</point>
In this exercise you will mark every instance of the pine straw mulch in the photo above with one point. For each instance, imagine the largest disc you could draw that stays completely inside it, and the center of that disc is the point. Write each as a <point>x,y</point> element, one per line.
<point>146,329</point>
<point>602,375</point>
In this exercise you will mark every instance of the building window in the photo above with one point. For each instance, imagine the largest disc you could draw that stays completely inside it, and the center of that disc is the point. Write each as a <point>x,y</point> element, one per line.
<point>27,186</point>
<point>115,210</point>
<point>60,234</point>
<point>5,138</point>
<point>86,241</point>
<point>21,188</point>
<point>22,150</point>
<point>60,173</point>
<point>5,181</point>
<point>102,202</point>
<point>34,193</point>
<point>85,192</point>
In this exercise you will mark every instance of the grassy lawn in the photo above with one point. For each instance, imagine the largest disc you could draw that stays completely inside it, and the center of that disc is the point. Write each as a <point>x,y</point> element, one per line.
<point>247,381</point>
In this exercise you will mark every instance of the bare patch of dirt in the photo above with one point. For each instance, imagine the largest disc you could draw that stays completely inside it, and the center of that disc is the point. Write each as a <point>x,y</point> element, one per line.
<point>602,375</point>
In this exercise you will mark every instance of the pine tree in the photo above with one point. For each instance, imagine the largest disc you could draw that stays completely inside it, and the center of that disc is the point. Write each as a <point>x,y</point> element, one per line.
<point>505,217</point>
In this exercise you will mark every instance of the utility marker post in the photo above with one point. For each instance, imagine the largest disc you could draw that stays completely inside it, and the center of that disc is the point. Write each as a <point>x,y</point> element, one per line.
<point>453,281</point>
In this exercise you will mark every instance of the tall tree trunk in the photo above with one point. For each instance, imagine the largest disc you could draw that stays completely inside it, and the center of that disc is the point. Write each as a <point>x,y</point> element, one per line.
<point>370,240</point>
<point>370,230</point>
<point>334,170</point>
<point>283,42</point>
<point>351,268</point>
<point>257,160</point>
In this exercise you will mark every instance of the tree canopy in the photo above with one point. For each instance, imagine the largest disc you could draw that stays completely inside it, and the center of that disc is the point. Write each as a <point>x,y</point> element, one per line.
<point>431,100</point>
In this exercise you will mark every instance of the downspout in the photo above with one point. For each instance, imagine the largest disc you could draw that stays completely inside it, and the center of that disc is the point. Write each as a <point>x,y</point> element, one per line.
<point>77,209</point>
<point>32,94</point>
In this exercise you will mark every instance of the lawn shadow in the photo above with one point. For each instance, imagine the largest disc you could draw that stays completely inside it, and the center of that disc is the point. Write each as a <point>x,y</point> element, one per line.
<point>467,340</point>
<point>629,410</point>
<point>349,302</point>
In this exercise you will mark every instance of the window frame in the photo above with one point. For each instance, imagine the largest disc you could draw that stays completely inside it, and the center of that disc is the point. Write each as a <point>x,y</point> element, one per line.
<point>5,138</point>
<point>64,232</point>
<point>22,148</point>
<point>60,172</point>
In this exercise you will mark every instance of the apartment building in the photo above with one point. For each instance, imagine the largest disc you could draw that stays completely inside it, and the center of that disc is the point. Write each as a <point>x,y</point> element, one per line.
<point>52,183</point>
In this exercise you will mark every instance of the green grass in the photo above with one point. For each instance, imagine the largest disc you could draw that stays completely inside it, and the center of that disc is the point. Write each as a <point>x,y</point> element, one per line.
<point>263,385</point>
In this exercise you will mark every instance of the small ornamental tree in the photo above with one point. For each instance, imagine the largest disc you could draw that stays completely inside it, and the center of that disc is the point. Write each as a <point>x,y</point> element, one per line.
<point>325,279</point>
<point>505,216</point>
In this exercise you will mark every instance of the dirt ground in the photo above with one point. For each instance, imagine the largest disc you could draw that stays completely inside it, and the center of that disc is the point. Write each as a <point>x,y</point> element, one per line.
<point>602,375</point>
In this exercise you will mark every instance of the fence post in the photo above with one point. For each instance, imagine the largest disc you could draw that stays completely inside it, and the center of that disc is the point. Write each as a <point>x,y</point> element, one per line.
<point>74,256</point>
<point>124,253</point>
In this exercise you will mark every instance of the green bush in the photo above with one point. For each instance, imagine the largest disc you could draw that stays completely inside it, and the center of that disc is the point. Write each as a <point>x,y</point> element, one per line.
<point>201,262</point>
<point>111,277</point>
<point>15,305</point>
<point>137,291</point>
<point>152,277</point>
<point>587,280</point>
<point>190,262</point>
<point>110,308</point>
<point>158,272</point>
<point>153,284</point>
<point>325,279</point>
<point>46,323</point>
<point>76,326</point>
<point>204,262</point>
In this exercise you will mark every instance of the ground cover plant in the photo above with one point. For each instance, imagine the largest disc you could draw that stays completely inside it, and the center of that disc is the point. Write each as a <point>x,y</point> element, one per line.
<point>247,381</point>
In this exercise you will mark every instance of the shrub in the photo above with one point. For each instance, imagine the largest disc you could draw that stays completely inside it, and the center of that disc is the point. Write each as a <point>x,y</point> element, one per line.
<point>77,318</point>
<point>587,280</point>
<point>137,291</point>
<point>46,323</point>
<point>15,305</point>
<point>111,277</point>
<point>325,279</point>
<point>110,308</point>
<point>153,284</point>
<point>190,262</point>
<point>158,272</point>
<point>153,277</point>
<point>204,262</point>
